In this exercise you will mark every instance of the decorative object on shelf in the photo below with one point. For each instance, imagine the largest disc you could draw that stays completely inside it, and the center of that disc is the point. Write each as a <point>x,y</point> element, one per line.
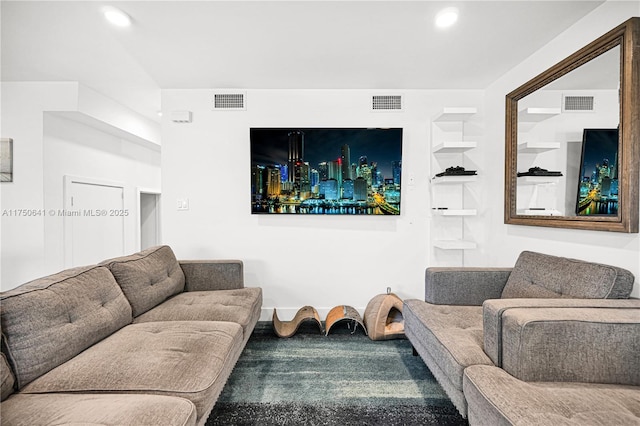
<point>457,171</point>
<point>383,317</point>
<point>343,313</point>
<point>289,328</point>
<point>537,171</point>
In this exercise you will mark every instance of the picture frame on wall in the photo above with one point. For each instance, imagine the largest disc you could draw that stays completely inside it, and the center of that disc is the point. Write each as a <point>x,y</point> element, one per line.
<point>6,160</point>
<point>326,171</point>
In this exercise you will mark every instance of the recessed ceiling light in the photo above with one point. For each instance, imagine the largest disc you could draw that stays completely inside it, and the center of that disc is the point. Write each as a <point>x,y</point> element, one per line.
<point>446,17</point>
<point>116,16</point>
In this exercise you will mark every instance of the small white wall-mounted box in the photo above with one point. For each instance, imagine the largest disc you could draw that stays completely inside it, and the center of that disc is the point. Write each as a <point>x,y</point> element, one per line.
<point>181,116</point>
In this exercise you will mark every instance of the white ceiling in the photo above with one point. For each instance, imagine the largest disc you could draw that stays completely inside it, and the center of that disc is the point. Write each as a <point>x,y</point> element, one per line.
<point>274,44</point>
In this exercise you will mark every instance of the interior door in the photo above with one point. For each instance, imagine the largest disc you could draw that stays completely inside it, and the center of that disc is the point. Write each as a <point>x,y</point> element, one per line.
<point>149,219</point>
<point>94,222</point>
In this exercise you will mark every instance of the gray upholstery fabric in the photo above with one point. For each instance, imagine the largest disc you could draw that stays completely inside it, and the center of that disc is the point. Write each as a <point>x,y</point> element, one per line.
<point>494,310</point>
<point>464,285</point>
<point>201,275</point>
<point>538,275</point>
<point>453,336</point>
<point>572,345</point>
<point>97,409</point>
<point>7,378</point>
<point>188,359</point>
<point>52,319</point>
<point>147,278</point>
<point>496,398</point>
<point>241,306</point>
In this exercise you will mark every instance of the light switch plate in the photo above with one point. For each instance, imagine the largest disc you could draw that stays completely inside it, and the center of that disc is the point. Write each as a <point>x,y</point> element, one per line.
<point>183,204</point>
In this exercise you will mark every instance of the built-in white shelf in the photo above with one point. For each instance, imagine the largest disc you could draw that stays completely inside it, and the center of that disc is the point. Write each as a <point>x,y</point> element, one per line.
<point>453,147</point>
<point>455,114</point>
<point>537,114</point>
<point>455,245</point>
<point>538,180</point>
<point>537,147</point>
<point>455,212</point>
<point>538,212</point>
<point>454,179</point>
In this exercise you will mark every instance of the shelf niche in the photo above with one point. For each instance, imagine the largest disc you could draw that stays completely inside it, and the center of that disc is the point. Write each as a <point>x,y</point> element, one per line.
<point>455,244</point>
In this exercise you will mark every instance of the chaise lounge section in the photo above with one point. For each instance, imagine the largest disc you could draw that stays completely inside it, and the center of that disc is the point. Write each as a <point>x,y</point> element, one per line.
<point>114,342</point>
<point>461,322</point>
<point>561,366</point>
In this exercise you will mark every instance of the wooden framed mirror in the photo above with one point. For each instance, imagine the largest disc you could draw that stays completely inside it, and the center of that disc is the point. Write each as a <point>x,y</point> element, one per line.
<point>572,148</point>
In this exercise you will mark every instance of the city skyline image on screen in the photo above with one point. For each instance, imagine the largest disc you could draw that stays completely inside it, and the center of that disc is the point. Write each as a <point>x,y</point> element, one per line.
<point>598,186</point>
<point>326,171</point>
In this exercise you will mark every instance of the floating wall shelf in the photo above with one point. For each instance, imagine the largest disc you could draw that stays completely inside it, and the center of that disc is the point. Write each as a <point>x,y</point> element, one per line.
<point>455,114</point>
<point>453,147</point>
<point>537,147</point>
<point>454,179</point>
<point>537,212</point>
<point>455,245</point>
<point>538,180</point>
<point>537,114</point>
<point>455,212</point>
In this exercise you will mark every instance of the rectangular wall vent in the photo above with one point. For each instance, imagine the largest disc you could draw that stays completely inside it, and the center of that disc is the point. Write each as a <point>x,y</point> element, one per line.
<point>229,101</point>
<point>386,103</point>
<point>181,116</point>
<point>578,103</point>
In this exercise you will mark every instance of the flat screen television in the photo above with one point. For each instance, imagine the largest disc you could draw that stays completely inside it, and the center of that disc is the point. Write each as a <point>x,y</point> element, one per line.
<point>326,171</point>
<point>598,179</point>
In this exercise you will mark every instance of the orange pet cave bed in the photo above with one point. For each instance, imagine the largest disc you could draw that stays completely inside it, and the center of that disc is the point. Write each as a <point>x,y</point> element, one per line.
<point>383,317</point>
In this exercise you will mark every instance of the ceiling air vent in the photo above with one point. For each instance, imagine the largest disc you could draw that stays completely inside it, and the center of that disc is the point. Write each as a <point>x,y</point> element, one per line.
<point>229,101</point>
<point>577,104</point>
<point>386,103</point>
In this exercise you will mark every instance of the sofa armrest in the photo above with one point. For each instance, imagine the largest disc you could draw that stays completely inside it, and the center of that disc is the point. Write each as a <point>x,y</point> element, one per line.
<point>201,275</point>
<point>464,285</point>
<point>592,345</point>
<point>493,312</point>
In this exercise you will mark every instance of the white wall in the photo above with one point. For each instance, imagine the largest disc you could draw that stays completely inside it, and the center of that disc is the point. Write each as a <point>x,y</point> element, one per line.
<point>31,239</point>
<point>81,151</point>
<point>323,261</point>
<point>508,240</point>
<point>22,256</point>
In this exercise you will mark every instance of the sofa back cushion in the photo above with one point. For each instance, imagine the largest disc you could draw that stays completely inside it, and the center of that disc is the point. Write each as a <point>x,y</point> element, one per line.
<point>50,320</point>
<point>148,278</point>
<point>537,275</point>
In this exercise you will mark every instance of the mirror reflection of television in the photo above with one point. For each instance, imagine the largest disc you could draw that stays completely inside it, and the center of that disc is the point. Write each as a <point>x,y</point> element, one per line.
<point>598,179</point>
<point>326,171</point>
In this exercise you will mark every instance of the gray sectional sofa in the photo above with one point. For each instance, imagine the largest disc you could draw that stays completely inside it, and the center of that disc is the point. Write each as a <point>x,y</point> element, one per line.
<point>143,339</point>
<point>542,343</point>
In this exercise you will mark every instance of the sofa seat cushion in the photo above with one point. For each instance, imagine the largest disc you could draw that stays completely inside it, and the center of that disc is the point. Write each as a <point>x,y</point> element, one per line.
<point>97,409</point>
<point>453,335</point>
<point>537,275</point>
<point>189,359</point>
<point>496,398</point>
<point>241,306</point>
<point>148,278</point>
<point>52,319</point>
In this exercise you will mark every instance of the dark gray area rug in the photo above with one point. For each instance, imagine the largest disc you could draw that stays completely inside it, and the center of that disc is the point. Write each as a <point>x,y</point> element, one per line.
<point>340,379</point>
